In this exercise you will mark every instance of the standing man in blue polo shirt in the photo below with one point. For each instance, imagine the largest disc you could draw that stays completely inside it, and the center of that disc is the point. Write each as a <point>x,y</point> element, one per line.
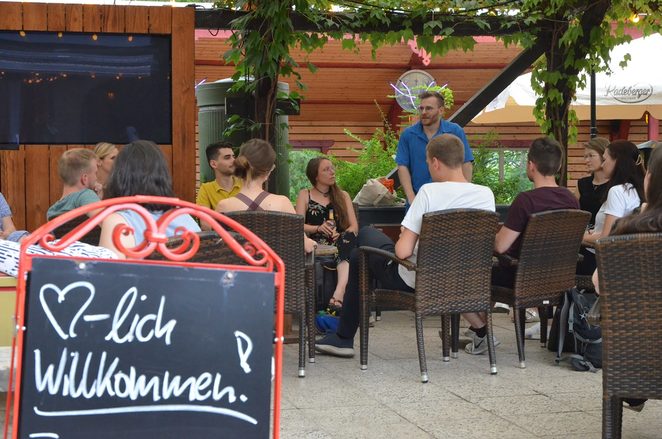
<point>412,168</point>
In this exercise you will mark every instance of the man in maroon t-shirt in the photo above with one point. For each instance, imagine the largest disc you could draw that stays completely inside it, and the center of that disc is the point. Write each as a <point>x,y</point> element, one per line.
<point>544,161</point>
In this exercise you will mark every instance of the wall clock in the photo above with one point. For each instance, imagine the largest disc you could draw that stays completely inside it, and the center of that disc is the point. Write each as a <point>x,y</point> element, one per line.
<point>409,85</point>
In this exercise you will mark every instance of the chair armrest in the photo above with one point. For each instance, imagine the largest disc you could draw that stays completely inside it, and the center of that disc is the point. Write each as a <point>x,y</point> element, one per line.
<point>388,255</point>
<point>506,261</point>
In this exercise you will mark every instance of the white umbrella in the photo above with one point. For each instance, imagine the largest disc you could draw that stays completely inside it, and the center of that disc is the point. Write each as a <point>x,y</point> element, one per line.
<point>627,93</point>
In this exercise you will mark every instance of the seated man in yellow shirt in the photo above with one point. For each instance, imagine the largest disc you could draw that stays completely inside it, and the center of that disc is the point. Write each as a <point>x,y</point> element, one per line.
<point>225,184</point>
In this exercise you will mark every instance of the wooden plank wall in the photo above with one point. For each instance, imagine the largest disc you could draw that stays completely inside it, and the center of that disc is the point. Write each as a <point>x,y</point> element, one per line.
<point>28,177</point>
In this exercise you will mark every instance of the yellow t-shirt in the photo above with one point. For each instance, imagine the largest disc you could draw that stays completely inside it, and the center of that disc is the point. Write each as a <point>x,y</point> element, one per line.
<point>211,193</point>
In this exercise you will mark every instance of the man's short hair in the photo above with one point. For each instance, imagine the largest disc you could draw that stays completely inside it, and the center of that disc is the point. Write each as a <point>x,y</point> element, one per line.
<point>547,154</point>
<point>448,149</point>
<point>74,163</point>
<point>213,149</point>
<point>432,94</point>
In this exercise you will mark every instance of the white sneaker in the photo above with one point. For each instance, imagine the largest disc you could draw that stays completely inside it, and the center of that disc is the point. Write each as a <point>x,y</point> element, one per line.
<point>479,345</point>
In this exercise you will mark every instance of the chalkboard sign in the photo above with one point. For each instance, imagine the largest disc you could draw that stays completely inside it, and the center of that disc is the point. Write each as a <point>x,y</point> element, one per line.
<point>124,350</point>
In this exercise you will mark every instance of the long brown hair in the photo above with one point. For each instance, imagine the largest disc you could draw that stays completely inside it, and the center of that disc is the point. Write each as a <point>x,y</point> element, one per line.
<point>650,220</point>
<point>336,198</point>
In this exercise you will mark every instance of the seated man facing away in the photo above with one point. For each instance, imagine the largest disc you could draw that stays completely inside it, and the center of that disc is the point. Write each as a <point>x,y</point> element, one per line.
<point>77,169</point>
<point>449,190</point>
<point>544,161</point>
<point>224,185</point>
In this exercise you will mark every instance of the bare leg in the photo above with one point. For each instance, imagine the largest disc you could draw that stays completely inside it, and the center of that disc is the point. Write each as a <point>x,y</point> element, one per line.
<point>343,277</point>
<point>476,320</point>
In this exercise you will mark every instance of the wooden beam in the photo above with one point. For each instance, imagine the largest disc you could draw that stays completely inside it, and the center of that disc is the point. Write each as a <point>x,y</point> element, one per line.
<point>376,64</point>
<point>492,89</point>
<point>341,22</point>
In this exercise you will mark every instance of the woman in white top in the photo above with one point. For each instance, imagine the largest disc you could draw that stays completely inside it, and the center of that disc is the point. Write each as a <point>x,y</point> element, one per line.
<point>624,167</point>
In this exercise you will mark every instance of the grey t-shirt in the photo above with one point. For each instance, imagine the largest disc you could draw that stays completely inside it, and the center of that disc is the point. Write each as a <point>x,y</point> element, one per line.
<point>71,202</point>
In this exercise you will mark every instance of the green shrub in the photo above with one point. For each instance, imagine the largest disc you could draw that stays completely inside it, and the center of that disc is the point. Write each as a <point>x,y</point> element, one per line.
<point>298,161</point>
<point>486,170</point>
<point>374,160</point>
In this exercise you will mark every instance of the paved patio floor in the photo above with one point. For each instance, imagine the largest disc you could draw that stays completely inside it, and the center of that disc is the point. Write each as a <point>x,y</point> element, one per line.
<point>462,400</point>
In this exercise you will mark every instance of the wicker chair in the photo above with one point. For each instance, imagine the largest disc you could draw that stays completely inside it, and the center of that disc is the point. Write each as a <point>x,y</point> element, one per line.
<point>546,267</point>
<point>453,269</point>
<point>211,250</point>
<point>631,321</point>
<point>92,237</point>
<point>283,232</point>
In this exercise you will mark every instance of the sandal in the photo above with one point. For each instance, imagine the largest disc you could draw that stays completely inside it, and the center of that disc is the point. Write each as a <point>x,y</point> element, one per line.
<point>334,307</point>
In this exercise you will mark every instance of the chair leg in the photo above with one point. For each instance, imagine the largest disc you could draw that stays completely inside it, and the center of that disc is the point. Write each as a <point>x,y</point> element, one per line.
<point>520,317</point>
<point>542,313</point>
<point>444,338</point>
<point>310,314</point>
<point>491,351</point>
<point>455,334</point>
<point>612,417</point>
<point>302,344</point>
<point>364,327</point>
<point>421,348</point>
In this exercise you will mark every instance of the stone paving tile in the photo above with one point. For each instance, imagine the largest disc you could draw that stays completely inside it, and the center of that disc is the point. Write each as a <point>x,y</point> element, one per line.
<point>558,424</point>
<point>526,404</point>
<point>485,427</point>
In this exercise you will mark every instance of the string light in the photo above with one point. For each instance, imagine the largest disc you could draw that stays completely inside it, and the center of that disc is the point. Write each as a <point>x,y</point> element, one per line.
<point>635,18</point>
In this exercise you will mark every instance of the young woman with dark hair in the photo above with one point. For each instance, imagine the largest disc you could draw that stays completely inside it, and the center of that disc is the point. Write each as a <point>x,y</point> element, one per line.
<point>624,166</point>
<point>254,164</point>
<point>649,219</point>
<point>140,169</point>
<point>316,204</point>
<point>593,188</point>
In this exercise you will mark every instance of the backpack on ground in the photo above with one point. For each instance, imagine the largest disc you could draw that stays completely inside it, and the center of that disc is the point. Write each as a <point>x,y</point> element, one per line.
<point>571,331</point>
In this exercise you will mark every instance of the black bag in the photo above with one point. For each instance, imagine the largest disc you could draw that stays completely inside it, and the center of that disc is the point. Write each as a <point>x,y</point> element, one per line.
<point>326,278</point>
<point>571,331</point>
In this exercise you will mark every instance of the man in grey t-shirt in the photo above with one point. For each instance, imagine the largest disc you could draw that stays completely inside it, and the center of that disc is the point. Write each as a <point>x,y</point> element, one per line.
<point>77,169</point>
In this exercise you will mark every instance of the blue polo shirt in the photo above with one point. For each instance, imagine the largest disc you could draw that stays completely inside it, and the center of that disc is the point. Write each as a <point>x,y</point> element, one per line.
<point>411,150</point>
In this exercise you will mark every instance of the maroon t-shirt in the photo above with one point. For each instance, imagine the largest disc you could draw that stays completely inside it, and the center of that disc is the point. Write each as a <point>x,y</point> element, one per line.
<point>534,201</point>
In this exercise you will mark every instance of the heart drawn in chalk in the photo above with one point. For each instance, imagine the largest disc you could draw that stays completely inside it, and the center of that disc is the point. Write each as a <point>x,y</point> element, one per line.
<point>81,287</point>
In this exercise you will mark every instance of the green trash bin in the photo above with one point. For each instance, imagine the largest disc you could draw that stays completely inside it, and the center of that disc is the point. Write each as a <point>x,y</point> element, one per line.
<point>212,121</point>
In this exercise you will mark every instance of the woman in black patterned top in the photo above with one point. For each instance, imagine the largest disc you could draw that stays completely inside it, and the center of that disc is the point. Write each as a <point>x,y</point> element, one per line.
<point>593,189</point>
<point>592,193</point>
<point>339,229</point>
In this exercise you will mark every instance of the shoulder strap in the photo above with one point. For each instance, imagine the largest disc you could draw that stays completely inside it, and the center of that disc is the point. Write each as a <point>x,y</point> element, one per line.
<point>244,199</point>
<point>259,199</point>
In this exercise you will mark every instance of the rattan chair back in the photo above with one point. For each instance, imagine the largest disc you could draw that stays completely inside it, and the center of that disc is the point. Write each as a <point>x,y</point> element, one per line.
<point>283,232</point>
<point>211,250</point>
<point>631,321</point>
<point>548,256</point>
<point>453,261</point>
<point>92,237</point>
